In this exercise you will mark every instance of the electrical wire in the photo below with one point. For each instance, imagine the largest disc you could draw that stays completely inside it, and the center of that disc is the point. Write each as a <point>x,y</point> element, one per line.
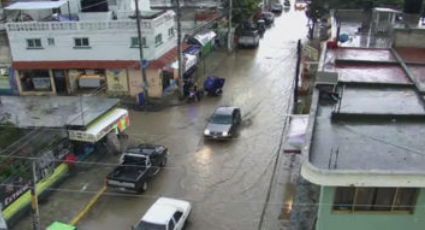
<point>233,201</point>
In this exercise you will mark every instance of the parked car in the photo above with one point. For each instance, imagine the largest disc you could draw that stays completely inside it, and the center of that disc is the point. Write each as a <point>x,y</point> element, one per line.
<point>165,214</point>
<point>267,16</point>
<point>300,5</point>
<point>249,39</point>
<point>261,25</point>
<point>276,8</point>
<point>137,166</point>
<point>223,123</point>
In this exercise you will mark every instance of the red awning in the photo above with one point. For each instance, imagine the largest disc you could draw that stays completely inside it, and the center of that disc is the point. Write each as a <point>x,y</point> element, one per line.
<point>24,65</point>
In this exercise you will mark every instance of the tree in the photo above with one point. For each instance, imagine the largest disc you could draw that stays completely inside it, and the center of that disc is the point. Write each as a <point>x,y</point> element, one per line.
<point>243,9</point>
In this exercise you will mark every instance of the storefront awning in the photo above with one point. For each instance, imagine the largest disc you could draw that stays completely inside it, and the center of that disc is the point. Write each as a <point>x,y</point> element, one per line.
<point>295,138</point>
<point>116,120</point>
<point>189,61</point>
<point>36,5</point>
<point>168,58</point>
<point>204,38</point>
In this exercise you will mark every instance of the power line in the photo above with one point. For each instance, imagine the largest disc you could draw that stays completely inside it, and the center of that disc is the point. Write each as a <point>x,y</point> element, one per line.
<point>233,201</point>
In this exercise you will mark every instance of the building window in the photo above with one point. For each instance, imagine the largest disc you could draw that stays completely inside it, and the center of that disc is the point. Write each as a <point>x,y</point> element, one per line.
<point>34,43</point>
<point>158,40</point>
<point>50,41</point>
<point>171,32</point>
<point>81,43</point>
<point>135,42</point>
<point>375,199</point>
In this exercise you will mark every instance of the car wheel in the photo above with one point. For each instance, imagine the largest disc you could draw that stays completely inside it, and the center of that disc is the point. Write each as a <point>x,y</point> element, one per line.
<point>164,162</point>
<point>144,187</point>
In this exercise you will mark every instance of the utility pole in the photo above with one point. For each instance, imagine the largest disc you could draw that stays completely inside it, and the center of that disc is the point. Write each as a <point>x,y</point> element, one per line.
<point>229,37</point>
<point>34,199</point>
<point>139,36</point>
<point>297,73</point>
<point>179,48</point>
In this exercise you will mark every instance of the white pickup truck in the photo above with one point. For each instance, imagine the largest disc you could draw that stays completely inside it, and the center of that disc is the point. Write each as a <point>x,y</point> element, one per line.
<point>165,214</point>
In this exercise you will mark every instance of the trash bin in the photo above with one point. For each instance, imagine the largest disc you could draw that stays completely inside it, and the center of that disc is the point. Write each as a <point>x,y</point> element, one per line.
<point>142,99</point>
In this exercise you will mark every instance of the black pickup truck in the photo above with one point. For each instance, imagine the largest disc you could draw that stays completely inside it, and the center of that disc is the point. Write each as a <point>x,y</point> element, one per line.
<point>137,166</point>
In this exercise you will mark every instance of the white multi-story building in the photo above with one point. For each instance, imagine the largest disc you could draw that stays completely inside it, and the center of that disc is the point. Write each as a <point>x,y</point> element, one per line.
<point>61,47</point>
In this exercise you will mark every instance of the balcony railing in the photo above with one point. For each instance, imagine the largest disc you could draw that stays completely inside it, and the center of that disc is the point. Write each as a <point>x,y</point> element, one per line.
<point>77,26</point>
<point>120,24</point>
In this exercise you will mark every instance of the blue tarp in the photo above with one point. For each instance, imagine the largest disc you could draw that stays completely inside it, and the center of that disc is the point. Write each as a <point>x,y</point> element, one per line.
<point>194,50</point>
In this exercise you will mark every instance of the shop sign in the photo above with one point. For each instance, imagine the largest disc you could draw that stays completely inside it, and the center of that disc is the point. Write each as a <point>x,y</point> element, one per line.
<point>118,125</point>
<point>21,189</point>
<point>81,136</point>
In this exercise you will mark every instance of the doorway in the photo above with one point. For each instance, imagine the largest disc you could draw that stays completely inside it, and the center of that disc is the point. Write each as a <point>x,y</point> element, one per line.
<point>60,81</point>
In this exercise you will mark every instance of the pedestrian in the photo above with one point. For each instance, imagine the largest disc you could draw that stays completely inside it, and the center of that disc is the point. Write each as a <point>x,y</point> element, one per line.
<point>197,92</point>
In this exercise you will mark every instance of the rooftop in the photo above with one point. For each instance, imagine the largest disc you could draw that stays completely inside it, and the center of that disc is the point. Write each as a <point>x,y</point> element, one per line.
<point>366,141</point>
<point>53,112</point>
<point>371,132</point>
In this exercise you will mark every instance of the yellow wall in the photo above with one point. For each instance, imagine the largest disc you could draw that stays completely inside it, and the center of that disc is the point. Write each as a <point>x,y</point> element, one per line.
<point>155,82</point>
<point>135,82</point>
<point>72,80</point>
<point>117,81</point>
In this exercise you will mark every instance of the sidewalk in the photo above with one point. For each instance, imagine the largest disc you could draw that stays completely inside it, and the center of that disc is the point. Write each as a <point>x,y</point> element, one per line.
<point>71,195</point>
<point>206,66</point>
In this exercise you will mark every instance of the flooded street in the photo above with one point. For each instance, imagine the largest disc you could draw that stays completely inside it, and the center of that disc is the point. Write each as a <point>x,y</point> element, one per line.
<point>226,182</point>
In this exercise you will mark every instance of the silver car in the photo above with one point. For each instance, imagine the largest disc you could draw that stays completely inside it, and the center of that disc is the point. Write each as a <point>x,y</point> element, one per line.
<point>223,123</point>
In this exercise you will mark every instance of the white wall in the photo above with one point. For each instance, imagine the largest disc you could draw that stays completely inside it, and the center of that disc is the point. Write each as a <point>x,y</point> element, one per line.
<point>409,38</point>
<point>106,43</point>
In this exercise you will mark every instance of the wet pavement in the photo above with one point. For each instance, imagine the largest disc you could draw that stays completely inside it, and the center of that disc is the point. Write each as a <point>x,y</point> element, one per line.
<point>226,182</point>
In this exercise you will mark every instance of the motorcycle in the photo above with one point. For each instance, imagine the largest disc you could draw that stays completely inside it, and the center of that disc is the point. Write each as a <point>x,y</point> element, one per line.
<point>213,85</point>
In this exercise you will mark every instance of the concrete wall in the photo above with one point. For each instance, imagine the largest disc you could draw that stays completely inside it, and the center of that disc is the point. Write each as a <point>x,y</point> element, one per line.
<point>409,38</point>
<point>135,82</point>
<point>348,15</point>
<point>328,220</point>
<point>117,81</point>
<point>155,82</point>
<point>5,56</point>
<point>109,40</point>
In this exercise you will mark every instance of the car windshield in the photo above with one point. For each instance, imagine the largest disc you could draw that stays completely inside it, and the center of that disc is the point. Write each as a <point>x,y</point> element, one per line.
<point>149,226</point>
<point>221,119</point>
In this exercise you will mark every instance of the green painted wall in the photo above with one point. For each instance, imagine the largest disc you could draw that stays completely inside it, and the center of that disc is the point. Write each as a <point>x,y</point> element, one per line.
<point>327,220</point>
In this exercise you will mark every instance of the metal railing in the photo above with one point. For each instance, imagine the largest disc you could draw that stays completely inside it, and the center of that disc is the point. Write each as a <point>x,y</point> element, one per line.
<point>75,26</point>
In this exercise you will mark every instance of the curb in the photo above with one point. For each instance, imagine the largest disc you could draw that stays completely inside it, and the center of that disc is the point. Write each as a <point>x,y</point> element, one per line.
<point>88,207</point>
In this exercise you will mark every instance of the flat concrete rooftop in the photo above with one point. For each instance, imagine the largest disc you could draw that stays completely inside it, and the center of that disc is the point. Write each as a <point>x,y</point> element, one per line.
<point>367,99</point>
<point>376,73</point>
<point>54,112</point>
<point>361,54</point>
<point>370,142</point>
